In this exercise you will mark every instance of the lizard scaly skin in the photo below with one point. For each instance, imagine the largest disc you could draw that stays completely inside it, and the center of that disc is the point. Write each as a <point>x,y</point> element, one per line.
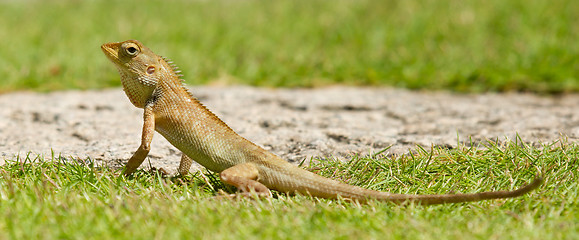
<point>153,83</point>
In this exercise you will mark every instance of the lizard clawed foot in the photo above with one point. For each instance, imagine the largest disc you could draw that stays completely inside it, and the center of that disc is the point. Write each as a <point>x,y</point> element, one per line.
<point>244,177</point>
<point>161,171</point>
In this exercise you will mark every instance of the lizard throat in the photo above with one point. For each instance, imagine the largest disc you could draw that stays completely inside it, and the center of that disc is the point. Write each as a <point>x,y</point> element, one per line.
<point>138,89</point>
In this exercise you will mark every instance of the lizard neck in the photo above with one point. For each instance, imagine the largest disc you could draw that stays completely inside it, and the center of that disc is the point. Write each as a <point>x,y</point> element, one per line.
<point>140,86</point>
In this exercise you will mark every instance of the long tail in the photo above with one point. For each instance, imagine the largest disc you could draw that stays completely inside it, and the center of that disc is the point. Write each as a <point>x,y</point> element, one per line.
<point>318,186</point>
<point>456,198</point>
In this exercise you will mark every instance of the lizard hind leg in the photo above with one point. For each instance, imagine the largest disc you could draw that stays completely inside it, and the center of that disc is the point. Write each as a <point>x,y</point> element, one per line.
<point>243,177</point>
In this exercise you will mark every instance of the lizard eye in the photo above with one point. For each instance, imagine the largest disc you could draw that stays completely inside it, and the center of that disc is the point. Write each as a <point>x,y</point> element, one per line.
<point>131,49</point>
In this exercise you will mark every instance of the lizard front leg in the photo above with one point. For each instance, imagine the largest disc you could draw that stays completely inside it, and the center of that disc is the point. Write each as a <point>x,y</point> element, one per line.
<point>243,177</point>
<point>184,165</point>
<point>146,138</point>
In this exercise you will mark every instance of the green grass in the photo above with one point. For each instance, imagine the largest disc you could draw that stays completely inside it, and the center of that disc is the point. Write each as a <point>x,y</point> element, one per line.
<point>75,199</point>
<point>471,46</point>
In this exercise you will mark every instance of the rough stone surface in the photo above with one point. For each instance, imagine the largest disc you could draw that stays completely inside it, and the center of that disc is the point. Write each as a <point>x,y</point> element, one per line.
<point>294,123</point>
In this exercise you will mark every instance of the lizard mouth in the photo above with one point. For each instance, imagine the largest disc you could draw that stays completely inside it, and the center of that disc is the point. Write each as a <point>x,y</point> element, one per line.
<point>111,51</point>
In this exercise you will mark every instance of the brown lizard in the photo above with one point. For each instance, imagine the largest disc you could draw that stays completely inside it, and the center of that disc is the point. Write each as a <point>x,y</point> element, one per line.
<point>153,83</point>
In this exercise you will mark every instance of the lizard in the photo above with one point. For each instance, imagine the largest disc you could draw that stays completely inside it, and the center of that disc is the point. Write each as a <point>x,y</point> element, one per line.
<point>155,84</point>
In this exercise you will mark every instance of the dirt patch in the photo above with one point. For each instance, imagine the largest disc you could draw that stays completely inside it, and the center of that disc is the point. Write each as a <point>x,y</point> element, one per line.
<point>293,123</point>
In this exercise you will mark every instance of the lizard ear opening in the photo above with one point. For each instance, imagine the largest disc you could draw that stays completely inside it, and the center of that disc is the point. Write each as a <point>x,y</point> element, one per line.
<point>150,70</point>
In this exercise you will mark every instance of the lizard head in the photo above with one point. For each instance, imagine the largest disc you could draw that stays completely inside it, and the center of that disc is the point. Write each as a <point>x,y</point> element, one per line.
<point>140,69</point>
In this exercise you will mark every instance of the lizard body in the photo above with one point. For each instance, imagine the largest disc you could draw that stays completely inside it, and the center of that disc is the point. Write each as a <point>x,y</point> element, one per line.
<point>154,84</point>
